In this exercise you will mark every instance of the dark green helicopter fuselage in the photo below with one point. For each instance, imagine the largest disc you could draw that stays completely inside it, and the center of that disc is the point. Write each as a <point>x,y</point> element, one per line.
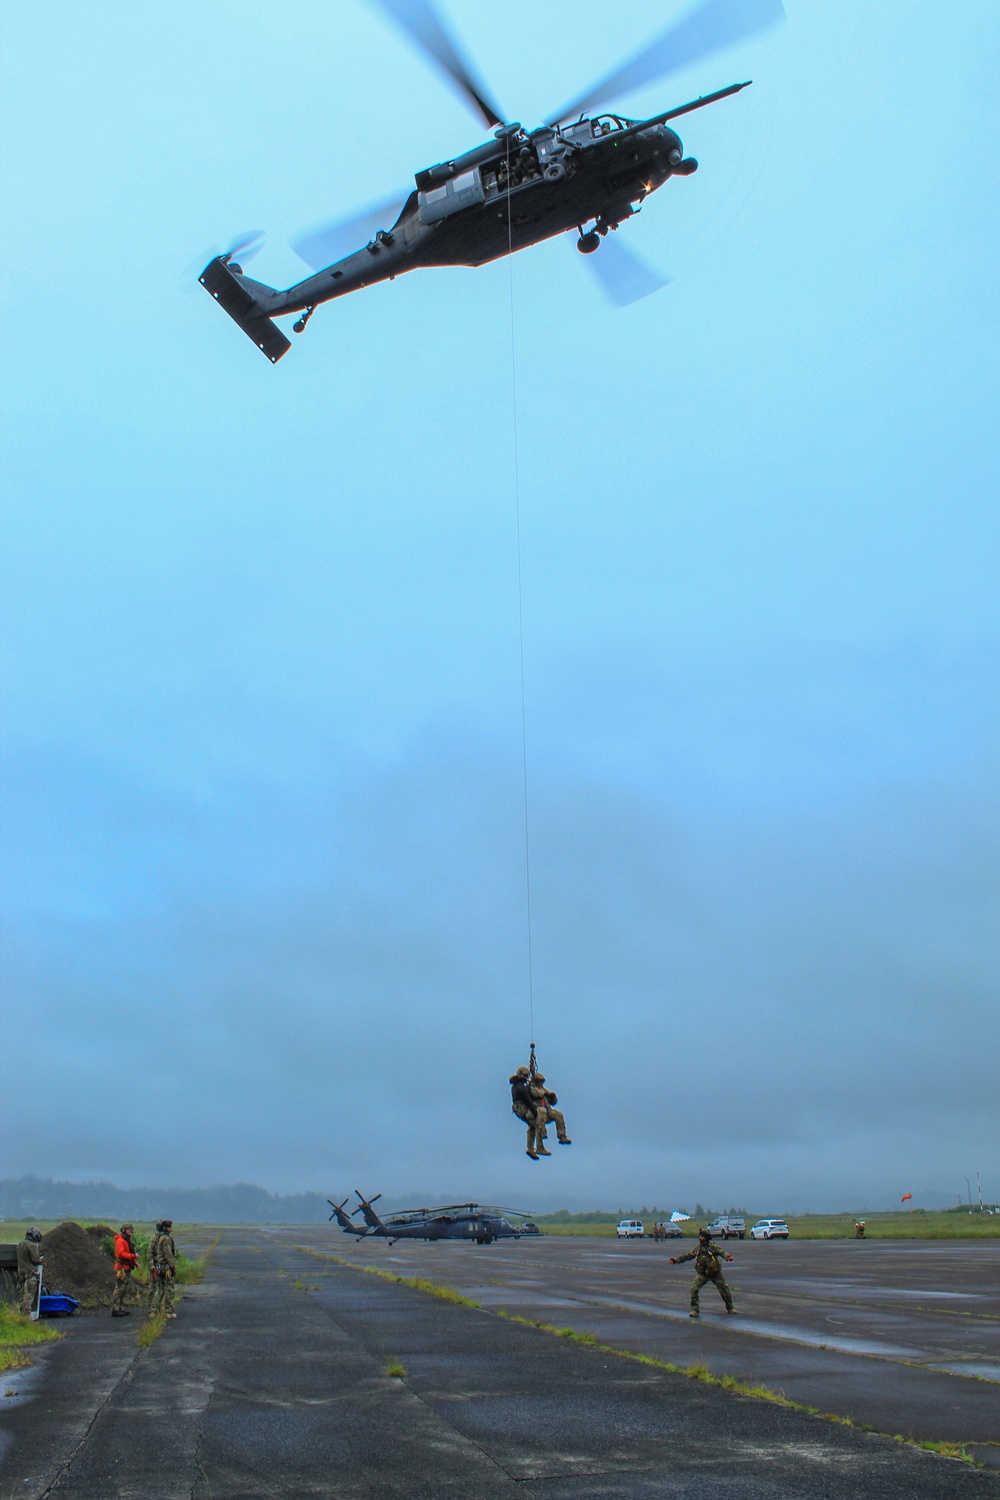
<point>503,196</point>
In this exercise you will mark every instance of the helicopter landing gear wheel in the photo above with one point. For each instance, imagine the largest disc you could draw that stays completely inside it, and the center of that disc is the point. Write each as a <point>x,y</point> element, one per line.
<point>588,243</point>
<point>555,172</point>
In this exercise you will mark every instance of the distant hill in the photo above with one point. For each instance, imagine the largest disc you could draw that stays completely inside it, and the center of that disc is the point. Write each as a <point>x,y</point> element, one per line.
<point>241,1203</point>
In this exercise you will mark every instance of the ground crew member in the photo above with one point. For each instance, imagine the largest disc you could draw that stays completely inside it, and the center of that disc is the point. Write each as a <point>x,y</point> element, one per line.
<point>859,1229</point>
<point>126,1261</point>
<point>163,1264</point>
<point>524,1105</point>
<point>545,1112</point>
<point>29,1269</point>
<point>708,1260</point>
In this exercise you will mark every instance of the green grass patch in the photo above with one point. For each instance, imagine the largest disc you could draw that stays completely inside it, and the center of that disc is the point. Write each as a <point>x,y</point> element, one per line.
<point>950,1450</point>
<point>944,1224</point>
<point>151,1330</point>
<point>18,1333</point>
<point>394,1369</point>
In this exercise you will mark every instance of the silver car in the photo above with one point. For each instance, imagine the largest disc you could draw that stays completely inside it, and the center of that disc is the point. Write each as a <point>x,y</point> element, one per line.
<point>769,1229</point>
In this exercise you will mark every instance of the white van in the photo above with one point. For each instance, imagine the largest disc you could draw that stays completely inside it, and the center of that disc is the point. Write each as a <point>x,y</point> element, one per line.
<point>630,1229</point>
<point>769,1229</point>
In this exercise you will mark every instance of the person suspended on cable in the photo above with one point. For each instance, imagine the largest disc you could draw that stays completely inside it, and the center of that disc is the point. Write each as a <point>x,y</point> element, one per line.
<point>545,1111</point>
<point>523,1105</point>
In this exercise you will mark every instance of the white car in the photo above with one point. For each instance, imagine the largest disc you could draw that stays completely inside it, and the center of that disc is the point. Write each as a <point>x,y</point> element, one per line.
<point>769,1229</point>
<point>630,1229</point>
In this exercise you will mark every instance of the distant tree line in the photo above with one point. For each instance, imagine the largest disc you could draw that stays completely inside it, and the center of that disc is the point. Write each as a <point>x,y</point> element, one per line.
<point>239,1203</point>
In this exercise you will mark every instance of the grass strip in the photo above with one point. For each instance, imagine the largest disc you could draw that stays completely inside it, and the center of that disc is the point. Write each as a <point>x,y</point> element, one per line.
<point>151,1330</point>
<point>17,1333</point>
<point>188,1272</point>
<point>418,1283</point>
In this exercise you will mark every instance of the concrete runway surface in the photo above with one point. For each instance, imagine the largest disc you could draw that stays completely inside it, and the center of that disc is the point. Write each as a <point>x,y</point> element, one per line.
<point>272,1380</point>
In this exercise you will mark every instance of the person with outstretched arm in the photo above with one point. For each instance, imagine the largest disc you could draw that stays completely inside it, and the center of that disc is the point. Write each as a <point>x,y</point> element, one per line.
<point>708,1259</point>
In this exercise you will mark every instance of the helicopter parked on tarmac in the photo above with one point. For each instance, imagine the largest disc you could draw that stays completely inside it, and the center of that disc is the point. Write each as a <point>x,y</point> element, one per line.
<point>520,187</point>
<point>454,1221</point>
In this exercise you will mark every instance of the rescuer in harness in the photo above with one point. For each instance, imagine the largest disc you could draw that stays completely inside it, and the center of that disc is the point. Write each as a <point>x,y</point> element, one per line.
<point>708,1260</point>
<point>533,1103</point>
<point>524,1105</point>
<point>545,1111</point>
<point>126,1260</point>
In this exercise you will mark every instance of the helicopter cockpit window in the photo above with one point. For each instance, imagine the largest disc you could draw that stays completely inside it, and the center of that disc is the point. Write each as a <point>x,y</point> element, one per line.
<point>606,125</point>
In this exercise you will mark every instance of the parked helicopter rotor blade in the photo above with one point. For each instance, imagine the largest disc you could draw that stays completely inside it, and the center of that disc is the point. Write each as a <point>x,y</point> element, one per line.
<point>325,243</point>
<point>622,276</point>
<point>708,28</point>
<point>420,20</point>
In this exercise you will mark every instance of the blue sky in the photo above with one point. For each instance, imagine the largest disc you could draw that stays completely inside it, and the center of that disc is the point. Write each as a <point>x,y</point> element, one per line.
<point>262,858</point>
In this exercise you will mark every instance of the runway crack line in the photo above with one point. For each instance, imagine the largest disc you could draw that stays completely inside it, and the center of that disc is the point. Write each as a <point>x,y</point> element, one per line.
<point>123,1377</point>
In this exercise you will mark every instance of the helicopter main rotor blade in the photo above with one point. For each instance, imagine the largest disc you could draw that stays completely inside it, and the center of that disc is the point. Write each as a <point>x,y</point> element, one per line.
<point>420,20</point>
<point>622,276</point>
<point>709,28</point>
<point>321,246</point>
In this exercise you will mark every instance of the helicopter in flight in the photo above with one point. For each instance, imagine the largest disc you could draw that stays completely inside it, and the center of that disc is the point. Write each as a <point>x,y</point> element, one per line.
<point>455,1221</point>
<point>588,174</point>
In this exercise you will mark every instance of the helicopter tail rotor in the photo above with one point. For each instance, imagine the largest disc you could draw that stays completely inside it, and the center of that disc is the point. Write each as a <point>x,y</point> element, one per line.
<point>245,302</point>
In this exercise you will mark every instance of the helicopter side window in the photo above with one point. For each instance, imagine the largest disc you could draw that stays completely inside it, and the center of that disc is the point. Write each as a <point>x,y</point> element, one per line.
<point>458,192</point>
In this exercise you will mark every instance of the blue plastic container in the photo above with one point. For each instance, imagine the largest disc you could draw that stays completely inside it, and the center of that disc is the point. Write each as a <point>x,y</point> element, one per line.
<point>56,1305</point>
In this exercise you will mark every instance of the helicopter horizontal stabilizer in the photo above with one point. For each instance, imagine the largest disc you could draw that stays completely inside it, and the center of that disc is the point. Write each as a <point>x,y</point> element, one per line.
<point>234,298</point>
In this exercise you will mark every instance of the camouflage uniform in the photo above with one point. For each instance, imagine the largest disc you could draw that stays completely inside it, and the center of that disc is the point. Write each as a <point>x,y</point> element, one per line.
<point>545,1101</point>
<point>523,1105</point>
<point>29,1260</point>
<point>708,1260</point>
<point>163,1265</point>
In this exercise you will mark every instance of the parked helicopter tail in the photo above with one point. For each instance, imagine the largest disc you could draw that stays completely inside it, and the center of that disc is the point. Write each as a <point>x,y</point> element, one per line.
<point>343,1220</point>
<point>244,301</point>
<point>371,1218</point>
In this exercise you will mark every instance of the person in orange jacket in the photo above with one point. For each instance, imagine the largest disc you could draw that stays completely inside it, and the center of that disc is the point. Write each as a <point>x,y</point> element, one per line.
<point>126,1260</point>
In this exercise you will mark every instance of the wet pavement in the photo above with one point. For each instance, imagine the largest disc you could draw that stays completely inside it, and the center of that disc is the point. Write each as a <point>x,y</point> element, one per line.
<point>273,1381</point>
<point>903,1336</point>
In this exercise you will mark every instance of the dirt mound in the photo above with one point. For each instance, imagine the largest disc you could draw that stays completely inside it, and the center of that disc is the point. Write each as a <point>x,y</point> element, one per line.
<point>99,1232</point>
<point>75,1263</point>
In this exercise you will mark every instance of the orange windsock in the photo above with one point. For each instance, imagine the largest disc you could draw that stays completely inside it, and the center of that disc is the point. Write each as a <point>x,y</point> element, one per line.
<point>905,1197</point>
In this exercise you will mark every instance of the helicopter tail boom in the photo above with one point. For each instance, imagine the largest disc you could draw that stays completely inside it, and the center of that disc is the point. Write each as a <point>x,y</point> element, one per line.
<point>235,298</point>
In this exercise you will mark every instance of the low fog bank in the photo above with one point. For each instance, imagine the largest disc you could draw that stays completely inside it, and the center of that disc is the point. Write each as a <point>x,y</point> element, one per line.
<point>777,990</point>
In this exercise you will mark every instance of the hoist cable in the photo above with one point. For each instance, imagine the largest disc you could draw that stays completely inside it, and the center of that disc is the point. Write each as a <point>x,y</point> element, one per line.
<point>520,603</point>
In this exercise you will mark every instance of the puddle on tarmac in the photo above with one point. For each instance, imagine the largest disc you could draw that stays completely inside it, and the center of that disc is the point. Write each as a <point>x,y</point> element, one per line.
<point>970,1367</point>
<point>506,1296</point>
<point>837,1342</point>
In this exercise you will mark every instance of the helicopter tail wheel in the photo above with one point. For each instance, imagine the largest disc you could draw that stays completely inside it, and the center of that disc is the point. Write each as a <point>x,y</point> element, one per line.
<point>555,172</point>
<point>300,326</point>
<point>588,243</point>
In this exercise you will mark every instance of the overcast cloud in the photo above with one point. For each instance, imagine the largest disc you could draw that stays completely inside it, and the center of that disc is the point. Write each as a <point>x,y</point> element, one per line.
<point>262,845</point>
